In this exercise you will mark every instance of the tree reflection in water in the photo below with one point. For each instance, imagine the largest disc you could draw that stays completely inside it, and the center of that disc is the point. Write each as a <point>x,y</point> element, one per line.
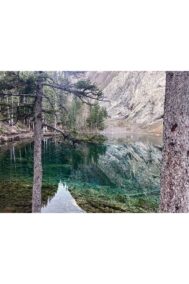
<point>117,167</point>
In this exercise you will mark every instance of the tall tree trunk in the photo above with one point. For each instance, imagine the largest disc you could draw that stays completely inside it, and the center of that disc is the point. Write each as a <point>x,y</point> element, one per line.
<point>55,107</point>
<point>37,175</point>
<point>175,165</point>
<point>8,111</point>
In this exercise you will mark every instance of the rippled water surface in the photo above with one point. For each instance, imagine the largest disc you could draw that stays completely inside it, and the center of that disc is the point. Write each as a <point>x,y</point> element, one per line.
<point>102,178</point>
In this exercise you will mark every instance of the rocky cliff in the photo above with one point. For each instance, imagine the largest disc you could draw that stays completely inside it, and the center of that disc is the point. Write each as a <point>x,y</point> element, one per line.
<point>134,97</point>
<point>132,166</point>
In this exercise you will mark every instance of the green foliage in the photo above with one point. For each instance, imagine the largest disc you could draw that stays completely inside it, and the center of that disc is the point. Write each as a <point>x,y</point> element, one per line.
<point>73,113</point>
<point>69,118</point>
<point>19,82</point>
<point>61,106</point>
<point>86,84</point>
<point>96,117</point>
<point>90,89</point>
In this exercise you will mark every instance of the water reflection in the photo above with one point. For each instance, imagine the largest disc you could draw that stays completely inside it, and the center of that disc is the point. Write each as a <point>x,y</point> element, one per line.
<point>124,166</point>
<point>62,202</point>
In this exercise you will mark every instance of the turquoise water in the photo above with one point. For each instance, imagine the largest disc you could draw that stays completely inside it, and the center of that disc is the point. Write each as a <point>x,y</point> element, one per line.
<point>122,167</point>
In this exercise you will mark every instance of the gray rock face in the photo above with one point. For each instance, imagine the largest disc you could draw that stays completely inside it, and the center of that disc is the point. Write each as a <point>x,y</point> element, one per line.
<point>134,166</point>
<point>137,97</point>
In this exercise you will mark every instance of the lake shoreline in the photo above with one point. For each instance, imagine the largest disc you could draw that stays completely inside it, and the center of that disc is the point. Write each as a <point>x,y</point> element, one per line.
<point>6,138</point>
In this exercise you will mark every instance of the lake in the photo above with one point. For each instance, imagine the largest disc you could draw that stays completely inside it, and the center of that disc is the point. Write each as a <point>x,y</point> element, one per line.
<point>120,175</point>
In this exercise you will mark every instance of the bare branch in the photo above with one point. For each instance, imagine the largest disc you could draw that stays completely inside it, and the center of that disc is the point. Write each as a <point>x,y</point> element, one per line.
<point>65,135</point>
<point>82,90</point>
<point>56,129</point>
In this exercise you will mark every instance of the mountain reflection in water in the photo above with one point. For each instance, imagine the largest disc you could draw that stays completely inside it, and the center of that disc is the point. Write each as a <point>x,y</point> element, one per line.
<point>121,167</point>
<point>62,202</point>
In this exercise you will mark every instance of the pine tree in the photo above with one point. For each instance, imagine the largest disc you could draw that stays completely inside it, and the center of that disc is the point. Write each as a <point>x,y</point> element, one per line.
<point>32,89</point>
<point>96,117</point>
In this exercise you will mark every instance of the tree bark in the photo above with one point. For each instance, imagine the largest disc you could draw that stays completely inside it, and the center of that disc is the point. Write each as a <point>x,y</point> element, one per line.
<point>37,174</point>
<point>175,164</point>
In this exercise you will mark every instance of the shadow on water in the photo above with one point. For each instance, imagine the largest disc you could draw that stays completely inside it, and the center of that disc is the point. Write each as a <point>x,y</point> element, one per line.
<point>121,175</point>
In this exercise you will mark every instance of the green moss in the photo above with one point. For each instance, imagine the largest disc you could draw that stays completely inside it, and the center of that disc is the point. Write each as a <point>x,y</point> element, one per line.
<point>16,196</point>
<point>94,138</point>
<point>98,201</point>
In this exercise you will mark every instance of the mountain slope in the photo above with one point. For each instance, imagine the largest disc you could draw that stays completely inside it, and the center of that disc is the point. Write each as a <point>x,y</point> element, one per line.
<point>135,97</point>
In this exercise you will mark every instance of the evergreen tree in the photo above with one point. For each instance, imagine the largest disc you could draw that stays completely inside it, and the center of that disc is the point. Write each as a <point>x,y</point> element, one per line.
<point>34,101</point>
<point>96,117</point>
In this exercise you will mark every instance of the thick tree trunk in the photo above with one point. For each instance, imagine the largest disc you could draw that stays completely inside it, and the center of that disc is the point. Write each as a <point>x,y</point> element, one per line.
<point>37,174</point>
<point>175,165</point>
